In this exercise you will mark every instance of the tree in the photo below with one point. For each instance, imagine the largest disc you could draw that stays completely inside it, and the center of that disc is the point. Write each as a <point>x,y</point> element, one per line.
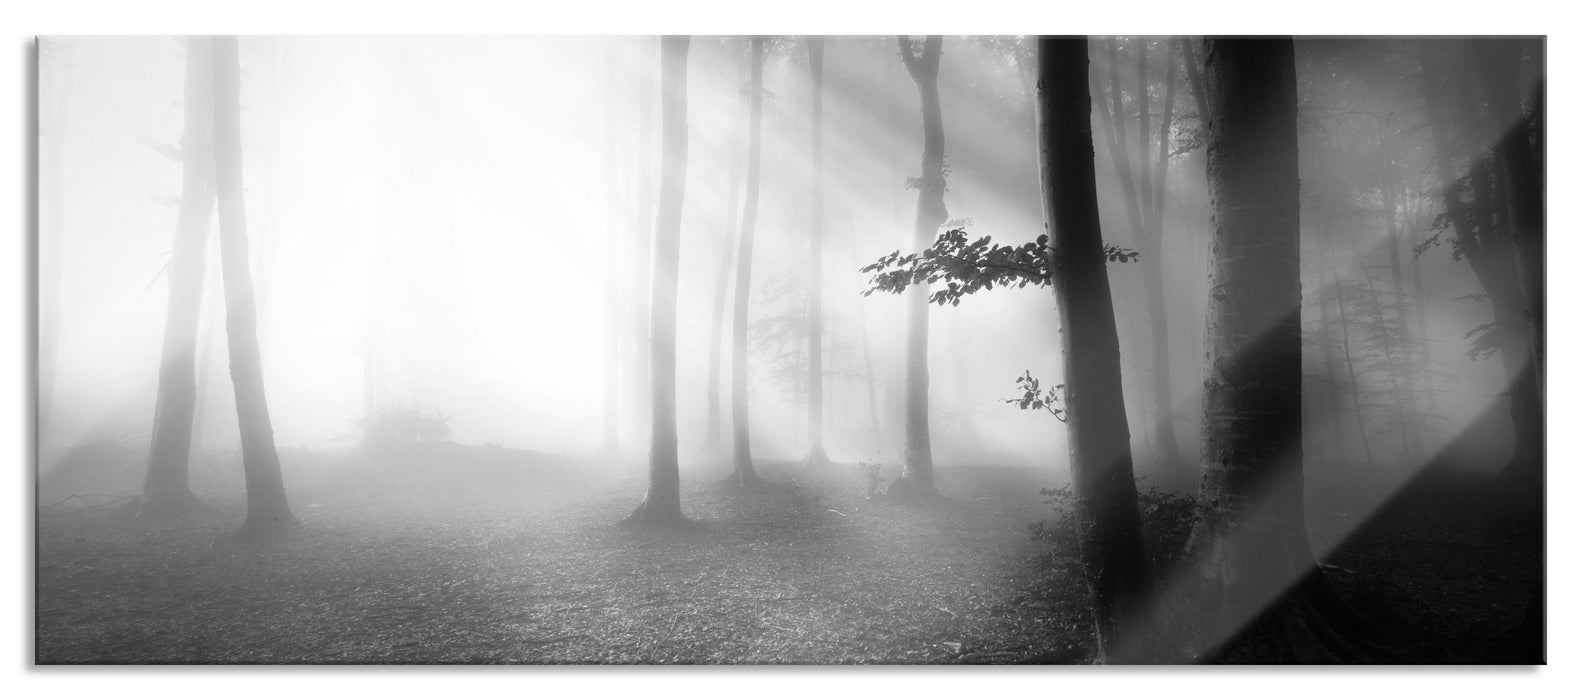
<point>742,472</point>
<point>1145,211</point>
<point>268,513</point>
<point>1256,565</point>
<point>1477,237</point>
<point>917,470</point>
<point>1073,262</point>
<point>165,489</point>
<point>815,316</point>
<point>1110,530</point>
<point>711,438</point>
<point>662,506</point>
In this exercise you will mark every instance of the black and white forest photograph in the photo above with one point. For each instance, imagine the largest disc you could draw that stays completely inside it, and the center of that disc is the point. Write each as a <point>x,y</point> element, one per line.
<point>646,347</point>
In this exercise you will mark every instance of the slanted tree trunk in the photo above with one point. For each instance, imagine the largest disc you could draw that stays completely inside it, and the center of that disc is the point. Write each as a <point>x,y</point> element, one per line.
<point>1258,573</point>
<point>917,470</point>
<point>815,291</point>
<point>166,490</point>
<point>268,514</point>
<point>711,439</point>
<point>1099,442</point>
<point>742,473</point>
<point>662,506</point>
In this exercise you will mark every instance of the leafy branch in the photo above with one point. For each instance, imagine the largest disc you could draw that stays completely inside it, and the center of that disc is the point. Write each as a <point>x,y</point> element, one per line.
<point>967,266</point>
<point>1036,399</point>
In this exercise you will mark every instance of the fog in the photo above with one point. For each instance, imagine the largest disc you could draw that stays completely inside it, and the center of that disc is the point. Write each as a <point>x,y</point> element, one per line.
<point>448,209</point>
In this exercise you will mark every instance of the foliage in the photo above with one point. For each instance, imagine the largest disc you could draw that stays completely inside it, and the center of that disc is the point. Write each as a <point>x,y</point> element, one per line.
<point>1033,398</point>
<point>1167,518</point>
<point>968,266</point>
<point>399,426</point>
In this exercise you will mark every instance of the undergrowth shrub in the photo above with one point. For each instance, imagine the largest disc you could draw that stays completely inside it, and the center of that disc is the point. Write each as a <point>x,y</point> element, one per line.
<point>1167,518</point>
<point>399,426</point>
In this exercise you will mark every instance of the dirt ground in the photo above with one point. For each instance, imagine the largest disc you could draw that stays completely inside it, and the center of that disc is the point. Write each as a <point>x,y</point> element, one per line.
<point>519,561</point>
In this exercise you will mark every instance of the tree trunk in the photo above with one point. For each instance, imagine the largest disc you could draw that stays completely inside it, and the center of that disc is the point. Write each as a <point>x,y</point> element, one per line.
<point>267,511</point>
<point>166,490</point>
<point>1140,211</point>
<point>1492,260</point>
<point>711,439</point>
<point>1498,61</point>
<point>1250,541</point>
<point>742,472</point>
<point>917,470</point>
<point>1405,363</point>
<point>815,312</point>
<point>1099,443</point>
<point>662,505</point>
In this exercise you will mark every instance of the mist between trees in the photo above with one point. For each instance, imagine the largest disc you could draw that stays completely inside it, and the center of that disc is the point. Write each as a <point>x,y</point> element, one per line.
<point>675,259</point>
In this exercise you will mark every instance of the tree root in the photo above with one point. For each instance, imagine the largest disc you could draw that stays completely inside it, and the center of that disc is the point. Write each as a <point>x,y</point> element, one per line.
<point>1311,624</point>
<point>656,518</point>
<point>909,491</point>
<point>745,479</point>
<point>267,530</point>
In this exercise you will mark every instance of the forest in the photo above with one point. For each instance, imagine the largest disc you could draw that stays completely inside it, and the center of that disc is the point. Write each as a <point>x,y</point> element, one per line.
<point>805,350</point>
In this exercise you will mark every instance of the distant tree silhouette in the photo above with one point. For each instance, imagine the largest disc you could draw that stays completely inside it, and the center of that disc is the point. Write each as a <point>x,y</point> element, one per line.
<point>662,506</point>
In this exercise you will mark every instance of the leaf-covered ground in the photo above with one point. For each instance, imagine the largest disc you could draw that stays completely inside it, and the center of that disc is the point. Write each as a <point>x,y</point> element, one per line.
<point>806,572</point>
<point>486,555</point>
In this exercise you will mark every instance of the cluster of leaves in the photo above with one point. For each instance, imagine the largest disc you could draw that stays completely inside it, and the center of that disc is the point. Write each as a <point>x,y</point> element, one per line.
<point>400,426</point>
<point>1038,399</point>
<point>1167,518</point>
<point>967,266</point>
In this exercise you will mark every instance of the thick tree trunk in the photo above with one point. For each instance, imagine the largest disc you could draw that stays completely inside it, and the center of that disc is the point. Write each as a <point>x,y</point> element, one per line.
<point>267,511</point>
<point>711,440</point>
<point>917,470</point>
<point>1499,61</point>
<point>1251,542</point>
<point>166,490</point>
<point>1491,257</point>
<point>662,505</point>
<point>1099,442</point>
<point>742,472</point>
<point>815,291</point>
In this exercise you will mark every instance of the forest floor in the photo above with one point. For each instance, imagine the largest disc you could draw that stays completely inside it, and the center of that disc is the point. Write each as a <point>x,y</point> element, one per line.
<point>487,555</point>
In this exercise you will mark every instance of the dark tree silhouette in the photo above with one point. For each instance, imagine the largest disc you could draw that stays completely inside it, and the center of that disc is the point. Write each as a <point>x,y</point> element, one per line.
<point>742,473</point>
<point>1099,443</point>
<point>1257,570</point>
<point>662,506</point>
<point>268,514</point>
<point>165,489</point>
